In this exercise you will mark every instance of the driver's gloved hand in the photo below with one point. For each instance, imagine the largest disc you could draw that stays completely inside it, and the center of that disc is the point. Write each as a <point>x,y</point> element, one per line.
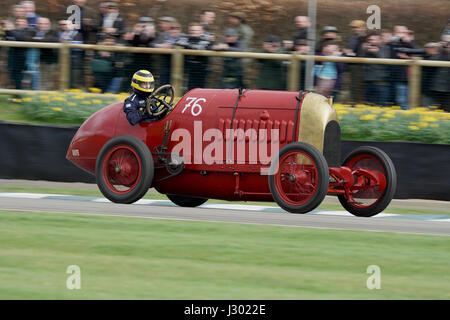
<point>154,108</point>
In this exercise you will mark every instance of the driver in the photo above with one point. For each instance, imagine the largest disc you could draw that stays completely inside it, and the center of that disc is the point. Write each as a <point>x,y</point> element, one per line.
<point>134,106</point>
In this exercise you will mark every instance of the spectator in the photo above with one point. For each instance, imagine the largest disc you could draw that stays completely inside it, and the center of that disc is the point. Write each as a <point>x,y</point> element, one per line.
<point>17,56</point>
<point>301,47</point>
<point>18,11</point>
<point>245,32</point>
<point>8,24</point>
<point>272,74</point>
<point>103,10</point>
<point>375,75</point>
<point>302,23</point>
<point>429,73</point>
<point>386,36</point>
<point>67,32</point>
<point>441,83</point>
<point>106,67</point>
<point>354,49</point>
<point>143,35</point>
<point>447,28</point>
<point>329,33</point>
<point>2,30</point>
<point>207,19</point>
<point>48,57</point>
<point>412,38</point>
<point>399,76</point>
<point>88,22</point>
<point>329,74</point>
<point>32,59</point>
<point>232,70</point>
<point>356,39</point>
<point>30,13</point>
<point>113,22</point>
<point>163,36</point>
<point>195,66</point>
<point>128,59</point>
<point>173,35</point>
<point>164,24</point>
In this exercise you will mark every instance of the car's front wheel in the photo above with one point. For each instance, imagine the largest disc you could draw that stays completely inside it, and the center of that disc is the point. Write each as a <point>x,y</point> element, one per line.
<point>124,169</point>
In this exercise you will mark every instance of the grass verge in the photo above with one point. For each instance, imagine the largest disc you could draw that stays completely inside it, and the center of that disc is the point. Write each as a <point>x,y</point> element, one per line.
<point>130,258</point>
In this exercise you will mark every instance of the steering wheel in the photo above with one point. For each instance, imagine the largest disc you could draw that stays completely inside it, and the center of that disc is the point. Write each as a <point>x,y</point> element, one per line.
<point>161,98</point>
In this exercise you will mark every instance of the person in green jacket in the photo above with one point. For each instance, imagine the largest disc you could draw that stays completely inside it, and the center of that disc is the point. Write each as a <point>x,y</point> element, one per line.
<point>245,32</point>
<point>272,73</point>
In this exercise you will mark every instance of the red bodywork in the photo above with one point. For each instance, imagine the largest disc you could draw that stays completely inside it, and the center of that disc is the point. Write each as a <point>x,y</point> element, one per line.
<point>196,112</point>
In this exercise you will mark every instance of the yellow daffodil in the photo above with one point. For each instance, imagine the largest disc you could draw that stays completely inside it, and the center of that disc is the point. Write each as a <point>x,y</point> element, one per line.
<point>413,127</point>
<point>429,119</point>
<point>368,117</point>
<point>95,90</point>
<point>57,109</point>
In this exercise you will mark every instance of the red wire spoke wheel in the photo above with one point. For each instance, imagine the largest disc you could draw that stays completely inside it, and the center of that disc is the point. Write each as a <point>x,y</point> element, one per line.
<point>298,177</point>
<point>124,169</point>
<point>369,196</point>
<point>121,169</point>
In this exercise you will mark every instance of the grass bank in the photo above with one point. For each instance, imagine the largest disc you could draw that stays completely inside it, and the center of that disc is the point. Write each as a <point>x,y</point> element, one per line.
<point>129,258</point>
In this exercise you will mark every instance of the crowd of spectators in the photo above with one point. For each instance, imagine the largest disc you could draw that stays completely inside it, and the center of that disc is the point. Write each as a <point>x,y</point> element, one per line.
<point>110,71</point>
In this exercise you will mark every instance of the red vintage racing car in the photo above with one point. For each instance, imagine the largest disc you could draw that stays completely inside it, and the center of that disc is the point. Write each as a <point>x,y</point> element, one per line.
<point>236,145</point>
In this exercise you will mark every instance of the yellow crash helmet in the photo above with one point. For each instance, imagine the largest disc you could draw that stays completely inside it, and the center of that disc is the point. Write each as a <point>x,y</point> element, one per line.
<point>143,82</point>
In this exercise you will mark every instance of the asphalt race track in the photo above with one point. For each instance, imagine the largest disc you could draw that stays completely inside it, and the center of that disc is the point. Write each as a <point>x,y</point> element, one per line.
<point>160,209</point>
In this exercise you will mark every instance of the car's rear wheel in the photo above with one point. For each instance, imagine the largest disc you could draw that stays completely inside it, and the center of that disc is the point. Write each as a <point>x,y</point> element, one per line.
<point>298,178</point>
<point>183,201</point>
<point>370,198</point>
<point>124,169</point>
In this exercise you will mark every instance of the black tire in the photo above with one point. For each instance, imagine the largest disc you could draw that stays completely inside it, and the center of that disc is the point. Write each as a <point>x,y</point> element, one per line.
<point>391,182</point>
<point>138,151</point>
<point>183,201</point>
<point>322,180</point>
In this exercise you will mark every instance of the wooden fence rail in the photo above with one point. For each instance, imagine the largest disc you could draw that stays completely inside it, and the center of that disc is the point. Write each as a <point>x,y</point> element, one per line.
<point>293,75</point>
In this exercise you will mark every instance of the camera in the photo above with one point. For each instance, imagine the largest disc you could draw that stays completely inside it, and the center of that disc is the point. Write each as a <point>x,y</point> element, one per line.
<point>396,39</point>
